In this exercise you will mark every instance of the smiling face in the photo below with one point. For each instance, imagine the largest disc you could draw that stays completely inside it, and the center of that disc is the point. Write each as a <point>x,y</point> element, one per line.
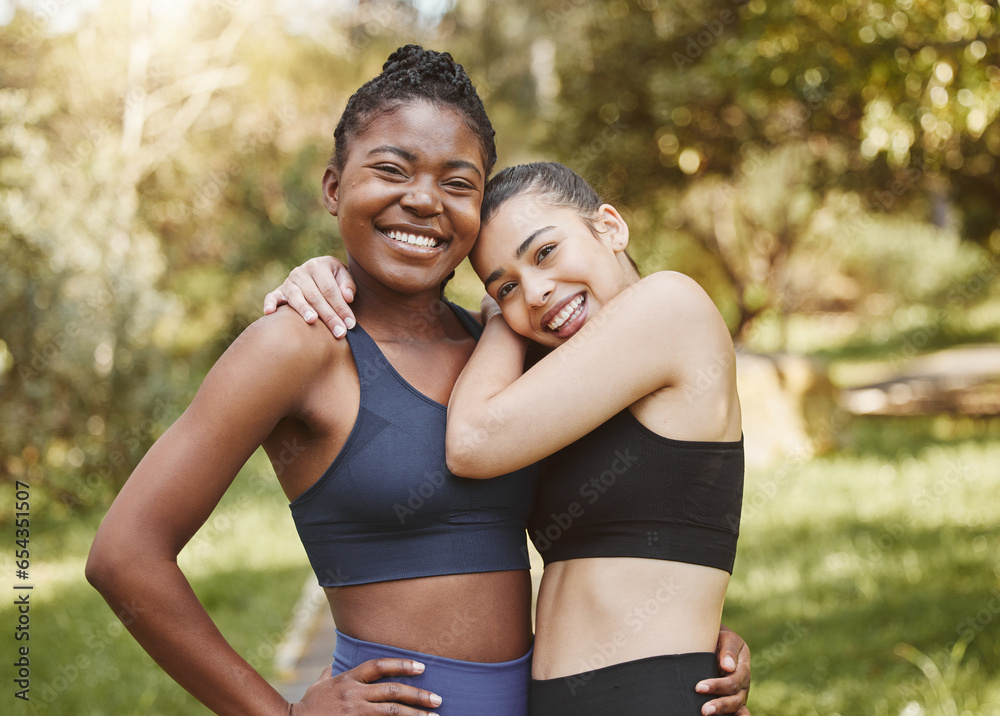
<point>546,268</point>
<point>408,197</point>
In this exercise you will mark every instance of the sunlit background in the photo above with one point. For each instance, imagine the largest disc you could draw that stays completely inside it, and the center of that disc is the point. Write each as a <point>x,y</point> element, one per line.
<point>829,170</point>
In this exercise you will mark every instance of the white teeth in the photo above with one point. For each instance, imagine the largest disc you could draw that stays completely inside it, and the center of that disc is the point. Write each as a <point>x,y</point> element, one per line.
<point>413,239</point>
<point>572,308</point>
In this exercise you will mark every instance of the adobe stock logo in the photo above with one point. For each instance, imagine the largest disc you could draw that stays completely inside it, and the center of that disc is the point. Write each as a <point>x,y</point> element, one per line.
<point>597,486</point>
<point>419,495</point>
<point>591,492</point>
<point>699,42</point>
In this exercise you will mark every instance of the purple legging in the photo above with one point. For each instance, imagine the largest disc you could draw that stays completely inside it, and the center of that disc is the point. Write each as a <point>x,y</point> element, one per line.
<point>465,687</point>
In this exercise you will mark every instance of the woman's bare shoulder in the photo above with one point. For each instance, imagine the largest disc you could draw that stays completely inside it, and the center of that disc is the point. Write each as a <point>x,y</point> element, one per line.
<point>677,304</point>
<point>283,350</point>
<point>671,284</point>
<point>285,338</point>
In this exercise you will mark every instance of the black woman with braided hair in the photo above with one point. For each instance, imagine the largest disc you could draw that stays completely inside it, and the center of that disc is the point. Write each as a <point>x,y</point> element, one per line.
<point>425,572</point>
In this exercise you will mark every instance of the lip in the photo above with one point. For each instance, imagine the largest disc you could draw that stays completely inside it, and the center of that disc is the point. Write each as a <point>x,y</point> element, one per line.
<point>571,326</point>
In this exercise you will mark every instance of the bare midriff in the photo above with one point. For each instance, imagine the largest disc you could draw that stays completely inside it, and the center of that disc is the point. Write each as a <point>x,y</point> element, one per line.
<point>595,612</point>
<point>482,617</point>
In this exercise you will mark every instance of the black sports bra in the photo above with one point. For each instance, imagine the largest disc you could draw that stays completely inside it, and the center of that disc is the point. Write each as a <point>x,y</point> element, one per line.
<point>624,491</point>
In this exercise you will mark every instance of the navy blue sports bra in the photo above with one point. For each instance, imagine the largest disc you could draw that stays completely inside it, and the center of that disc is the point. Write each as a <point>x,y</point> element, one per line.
<point>388,508</point>
<point>624,491</point>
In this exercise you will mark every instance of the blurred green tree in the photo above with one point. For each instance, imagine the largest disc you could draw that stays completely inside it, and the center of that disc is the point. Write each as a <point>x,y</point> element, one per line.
<point>159,171</point>
<point>897,103</point>
<point>160,164</point>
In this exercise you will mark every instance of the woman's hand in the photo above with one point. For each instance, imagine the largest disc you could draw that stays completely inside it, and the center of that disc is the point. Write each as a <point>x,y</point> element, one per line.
<point>487,309</point>
<point>734,659</point>
<point>320,286</point>
<point>353,692</point>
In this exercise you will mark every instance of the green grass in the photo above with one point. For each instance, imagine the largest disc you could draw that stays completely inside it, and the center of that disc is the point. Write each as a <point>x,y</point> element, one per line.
<point>868,582</point>
<point>246,565</point>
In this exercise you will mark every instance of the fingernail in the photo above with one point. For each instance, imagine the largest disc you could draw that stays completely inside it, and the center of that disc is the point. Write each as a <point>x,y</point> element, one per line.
<point>701,688</point>
<point>435,699</point>
<point>348,294</point>
<point>728,663</point>
<point>417,665</point>
<point>310,316</point>
<point>709,710</point>
<point>350,322</point>
<point>339,331</point>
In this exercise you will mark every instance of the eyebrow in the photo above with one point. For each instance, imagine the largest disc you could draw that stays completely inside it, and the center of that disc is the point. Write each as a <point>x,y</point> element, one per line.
<point>411,157</point>
<point>402,153</point>
<point>462,164</point>
<point>518,253</point>
<point>526,244</point>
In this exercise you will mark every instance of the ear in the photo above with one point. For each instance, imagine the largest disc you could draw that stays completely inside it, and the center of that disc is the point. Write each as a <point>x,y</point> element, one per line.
<point>331,190</point>
<point>611,224</point>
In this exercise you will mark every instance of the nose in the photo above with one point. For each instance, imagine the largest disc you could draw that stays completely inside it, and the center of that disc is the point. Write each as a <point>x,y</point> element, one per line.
<point>537,290</point>
<point>422,198</point>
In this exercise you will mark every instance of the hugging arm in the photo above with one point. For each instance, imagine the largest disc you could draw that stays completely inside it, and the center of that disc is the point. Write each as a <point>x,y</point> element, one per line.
<point>582,383</point>
<point>133,561</point>
<point>321,287</point>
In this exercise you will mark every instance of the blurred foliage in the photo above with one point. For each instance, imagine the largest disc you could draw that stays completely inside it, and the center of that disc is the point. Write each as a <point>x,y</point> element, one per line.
<point>732,122</point>
<point>884,599</point>
<point>160,166</point>
<point>246,564</point>
<point>151,192</point>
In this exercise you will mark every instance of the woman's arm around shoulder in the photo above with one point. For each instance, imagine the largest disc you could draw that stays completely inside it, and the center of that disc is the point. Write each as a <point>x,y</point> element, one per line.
<point>646,338</point>
<point>322,287</point>
<point>133,561</point>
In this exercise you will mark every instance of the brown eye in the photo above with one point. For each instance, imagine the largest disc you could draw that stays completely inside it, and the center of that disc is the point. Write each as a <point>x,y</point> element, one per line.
<point>389,169</point>
<point>461,184</point>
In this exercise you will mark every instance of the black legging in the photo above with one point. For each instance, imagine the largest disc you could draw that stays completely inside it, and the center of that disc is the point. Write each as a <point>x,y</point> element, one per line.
<point>656,686</point>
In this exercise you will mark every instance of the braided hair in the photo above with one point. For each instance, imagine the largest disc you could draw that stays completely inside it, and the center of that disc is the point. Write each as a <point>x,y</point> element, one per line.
<point>413,73</point>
